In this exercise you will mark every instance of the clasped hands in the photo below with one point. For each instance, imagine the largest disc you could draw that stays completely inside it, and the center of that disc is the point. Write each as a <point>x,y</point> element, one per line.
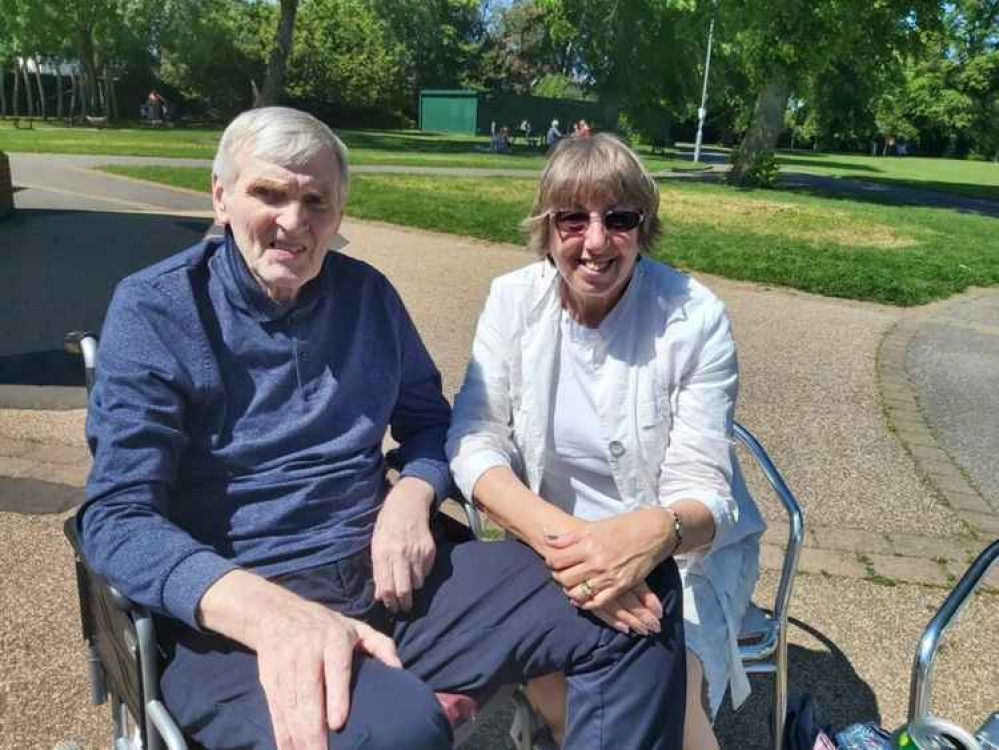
<point>602,566</point>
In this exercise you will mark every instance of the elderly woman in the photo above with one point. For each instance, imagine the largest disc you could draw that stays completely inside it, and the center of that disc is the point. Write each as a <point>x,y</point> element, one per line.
<point>595,422</point>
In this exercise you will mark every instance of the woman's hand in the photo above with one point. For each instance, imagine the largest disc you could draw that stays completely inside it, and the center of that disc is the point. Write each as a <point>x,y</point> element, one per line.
<point>602,561</point>
<point>636,611</point>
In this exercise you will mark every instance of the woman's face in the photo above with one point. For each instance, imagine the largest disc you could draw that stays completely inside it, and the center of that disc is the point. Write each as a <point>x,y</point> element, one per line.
<point>595,248</point>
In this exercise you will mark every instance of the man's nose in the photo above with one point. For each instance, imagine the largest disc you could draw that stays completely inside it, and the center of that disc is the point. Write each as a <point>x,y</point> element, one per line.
<point>293,216</point>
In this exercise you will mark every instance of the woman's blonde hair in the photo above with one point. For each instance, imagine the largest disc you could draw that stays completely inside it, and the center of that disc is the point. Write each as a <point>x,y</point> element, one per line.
<point>598,171</point>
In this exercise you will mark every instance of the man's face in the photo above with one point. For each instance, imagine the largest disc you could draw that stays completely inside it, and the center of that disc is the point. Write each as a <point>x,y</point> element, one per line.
<point>284,219</point>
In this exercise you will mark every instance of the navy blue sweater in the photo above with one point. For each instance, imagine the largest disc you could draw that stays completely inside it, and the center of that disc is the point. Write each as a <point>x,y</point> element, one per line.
<point>229,430</point>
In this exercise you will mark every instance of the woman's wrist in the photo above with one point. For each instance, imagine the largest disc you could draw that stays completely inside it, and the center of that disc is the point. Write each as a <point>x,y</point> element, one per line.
<point>676,531</point>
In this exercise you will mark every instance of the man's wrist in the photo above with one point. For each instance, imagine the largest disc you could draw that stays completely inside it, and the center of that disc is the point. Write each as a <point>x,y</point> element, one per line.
<point>413,490</point>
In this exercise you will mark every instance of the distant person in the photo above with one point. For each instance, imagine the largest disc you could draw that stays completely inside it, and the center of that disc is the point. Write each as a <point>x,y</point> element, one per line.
<point>502,140</point>
<point>155,106</point>
<point>525,129</point>
<point>553,135</point>
<point>583,129</point>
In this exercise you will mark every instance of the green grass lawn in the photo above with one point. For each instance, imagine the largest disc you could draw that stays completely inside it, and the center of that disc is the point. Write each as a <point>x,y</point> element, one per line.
<point>839,248</point>
<point>977,179</point>
<point>398,147</point>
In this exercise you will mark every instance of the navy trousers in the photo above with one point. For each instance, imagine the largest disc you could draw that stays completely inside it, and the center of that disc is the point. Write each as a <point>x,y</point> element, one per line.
<point>488,614</point>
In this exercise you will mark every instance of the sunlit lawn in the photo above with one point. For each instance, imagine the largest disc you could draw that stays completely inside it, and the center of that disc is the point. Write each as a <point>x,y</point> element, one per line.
<point>841,248</point>
<point>398,147</point>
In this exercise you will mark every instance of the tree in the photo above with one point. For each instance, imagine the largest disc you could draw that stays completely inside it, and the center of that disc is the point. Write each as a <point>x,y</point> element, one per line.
<point>788,41</point>
<point>440,41</point>
<point>640,55</point>
<point>346,55</point>
<point>216,50</point>
<point>280,51</point>
<point>521,54</point>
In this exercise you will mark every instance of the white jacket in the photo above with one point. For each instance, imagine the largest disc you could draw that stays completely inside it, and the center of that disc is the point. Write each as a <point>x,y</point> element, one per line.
<point>671,439</point>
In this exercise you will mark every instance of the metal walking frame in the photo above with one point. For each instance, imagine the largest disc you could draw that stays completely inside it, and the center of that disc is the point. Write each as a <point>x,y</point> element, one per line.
<point>928,731</point>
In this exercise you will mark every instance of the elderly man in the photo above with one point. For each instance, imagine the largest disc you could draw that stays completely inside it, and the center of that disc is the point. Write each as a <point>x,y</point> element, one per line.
<point>244,387</point>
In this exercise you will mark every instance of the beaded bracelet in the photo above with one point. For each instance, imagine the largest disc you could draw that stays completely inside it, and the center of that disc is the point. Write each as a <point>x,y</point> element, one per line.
<point>677,531</point>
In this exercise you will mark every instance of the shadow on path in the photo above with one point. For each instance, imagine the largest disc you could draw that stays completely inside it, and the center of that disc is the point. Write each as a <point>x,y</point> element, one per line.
<point>841,695</point>
<point>60,269</point>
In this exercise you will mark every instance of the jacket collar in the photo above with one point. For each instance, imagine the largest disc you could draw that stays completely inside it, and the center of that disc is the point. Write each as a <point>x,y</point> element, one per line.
<point>245,293</point>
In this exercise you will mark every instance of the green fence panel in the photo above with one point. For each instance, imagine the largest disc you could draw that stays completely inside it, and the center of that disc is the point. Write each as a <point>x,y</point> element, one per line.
<point>448,111</point>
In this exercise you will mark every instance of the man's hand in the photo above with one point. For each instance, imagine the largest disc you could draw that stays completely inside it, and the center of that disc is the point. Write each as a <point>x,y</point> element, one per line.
<point>402,548</point>
<point>304,653</point>
<point>600,563</point>
<point>305,656</point>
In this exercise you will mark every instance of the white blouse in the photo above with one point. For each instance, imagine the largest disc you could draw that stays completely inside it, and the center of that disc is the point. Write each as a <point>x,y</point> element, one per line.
<point>668,383</point>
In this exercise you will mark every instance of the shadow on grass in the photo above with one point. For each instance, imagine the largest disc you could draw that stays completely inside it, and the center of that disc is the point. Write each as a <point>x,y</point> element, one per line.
<point>841,695</point>
<point>814,161</point>
<point>60,269</point>
<point>962,197</point>
<point>982,200</point>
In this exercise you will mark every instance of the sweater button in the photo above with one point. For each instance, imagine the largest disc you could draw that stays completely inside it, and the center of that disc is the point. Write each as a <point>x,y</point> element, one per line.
<point>616,449</point>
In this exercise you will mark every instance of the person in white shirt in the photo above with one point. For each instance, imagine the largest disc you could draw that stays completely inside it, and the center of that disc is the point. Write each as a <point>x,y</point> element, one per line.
<point>595,423</point>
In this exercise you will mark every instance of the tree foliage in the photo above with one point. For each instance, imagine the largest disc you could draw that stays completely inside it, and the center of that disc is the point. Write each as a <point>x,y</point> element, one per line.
<point>638,55</point>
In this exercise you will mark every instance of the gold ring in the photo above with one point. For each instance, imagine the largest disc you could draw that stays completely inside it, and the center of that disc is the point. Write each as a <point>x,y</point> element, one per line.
<point>587,591</point>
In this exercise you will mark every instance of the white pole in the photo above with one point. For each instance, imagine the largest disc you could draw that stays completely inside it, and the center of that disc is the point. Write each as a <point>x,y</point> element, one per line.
<point>702,112</point>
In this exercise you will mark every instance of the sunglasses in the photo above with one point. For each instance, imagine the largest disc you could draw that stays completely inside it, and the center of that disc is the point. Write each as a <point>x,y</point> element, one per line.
<point>615,220</point>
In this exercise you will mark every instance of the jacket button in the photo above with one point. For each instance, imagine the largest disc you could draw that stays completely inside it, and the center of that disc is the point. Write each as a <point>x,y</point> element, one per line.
<point>616,449</point>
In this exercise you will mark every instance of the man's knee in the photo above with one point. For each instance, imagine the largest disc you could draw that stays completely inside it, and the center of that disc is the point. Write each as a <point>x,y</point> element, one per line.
<point>390,709</point>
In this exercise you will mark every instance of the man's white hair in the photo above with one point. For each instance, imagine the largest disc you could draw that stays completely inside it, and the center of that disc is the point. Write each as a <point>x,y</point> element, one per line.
<point>281,135</point>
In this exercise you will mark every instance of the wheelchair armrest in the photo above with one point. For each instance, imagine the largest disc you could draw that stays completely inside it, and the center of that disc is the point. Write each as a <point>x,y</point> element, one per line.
<point>795,517</point>
<point>84,343</point>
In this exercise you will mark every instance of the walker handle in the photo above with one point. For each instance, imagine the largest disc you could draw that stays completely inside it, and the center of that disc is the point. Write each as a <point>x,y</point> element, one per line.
<point>922,666</point>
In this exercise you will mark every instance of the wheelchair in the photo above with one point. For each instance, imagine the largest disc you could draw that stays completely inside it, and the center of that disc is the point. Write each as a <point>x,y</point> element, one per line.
<point>125,661</point>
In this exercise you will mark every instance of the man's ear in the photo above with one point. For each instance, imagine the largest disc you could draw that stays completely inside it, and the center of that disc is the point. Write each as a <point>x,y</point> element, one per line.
<point>218,201</point>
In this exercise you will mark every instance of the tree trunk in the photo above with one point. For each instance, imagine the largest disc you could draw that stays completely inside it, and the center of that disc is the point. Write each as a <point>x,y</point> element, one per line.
<point>274,82</point>
<point>85,54</point>
<point>3,92</point>
<point>59,88</point>
<point>73,88</point>
<point>28,93</point>
<point>17,88</point>
<point>112,102</point>
<point>766,127</point>
<point>41,90</point>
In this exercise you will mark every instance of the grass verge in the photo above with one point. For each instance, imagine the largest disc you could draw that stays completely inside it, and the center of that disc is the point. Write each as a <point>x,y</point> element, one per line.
<point>410,148</point>
<point>838,248</point>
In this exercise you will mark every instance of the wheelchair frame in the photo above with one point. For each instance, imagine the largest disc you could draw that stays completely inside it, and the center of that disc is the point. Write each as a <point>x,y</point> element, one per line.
<point>124,660</point>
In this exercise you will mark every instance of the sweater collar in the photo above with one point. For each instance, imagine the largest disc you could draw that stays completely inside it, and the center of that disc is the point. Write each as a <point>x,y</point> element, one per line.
<point>246,293</point>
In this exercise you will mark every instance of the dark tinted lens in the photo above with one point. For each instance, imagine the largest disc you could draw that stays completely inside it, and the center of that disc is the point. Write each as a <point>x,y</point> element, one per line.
<point>622,221</point>
<point>572,221</point>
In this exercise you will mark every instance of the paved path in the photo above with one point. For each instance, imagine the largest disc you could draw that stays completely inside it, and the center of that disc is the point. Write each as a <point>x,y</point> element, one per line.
<point>836,390</point>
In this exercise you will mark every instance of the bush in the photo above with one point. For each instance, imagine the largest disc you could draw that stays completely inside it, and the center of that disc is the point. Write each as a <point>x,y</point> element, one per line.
<point>762,172</point>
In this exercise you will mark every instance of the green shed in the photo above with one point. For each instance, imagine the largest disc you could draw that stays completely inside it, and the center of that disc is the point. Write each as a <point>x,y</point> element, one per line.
<point>461,111</point>
<point>449,110</point>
